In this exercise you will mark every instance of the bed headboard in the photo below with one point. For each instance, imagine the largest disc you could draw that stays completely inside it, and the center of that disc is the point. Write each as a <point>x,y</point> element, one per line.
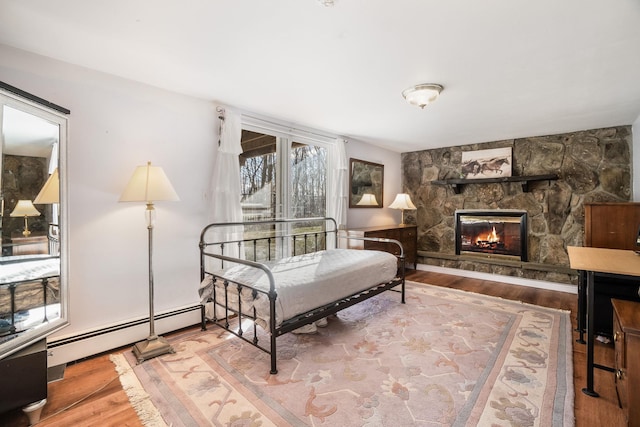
<point>269,239</point>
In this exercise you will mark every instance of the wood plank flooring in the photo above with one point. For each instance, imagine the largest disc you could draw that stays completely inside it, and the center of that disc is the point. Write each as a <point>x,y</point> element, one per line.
<point>92,387</point>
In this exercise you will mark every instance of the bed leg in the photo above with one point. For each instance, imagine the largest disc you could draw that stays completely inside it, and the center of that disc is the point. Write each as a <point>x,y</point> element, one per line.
<point>272,329</point>
<point>203,320</point>
<point>403,282</point>
<point>274,369</point>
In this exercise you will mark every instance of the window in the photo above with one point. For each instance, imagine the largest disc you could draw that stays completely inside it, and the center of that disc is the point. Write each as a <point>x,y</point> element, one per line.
<point>272,188</point>
<point>283,175</point>
<point>258,164</point>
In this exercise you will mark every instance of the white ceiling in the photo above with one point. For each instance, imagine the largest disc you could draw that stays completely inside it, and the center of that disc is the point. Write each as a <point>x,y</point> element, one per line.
<point>510,68</point>
<point>27,135</point>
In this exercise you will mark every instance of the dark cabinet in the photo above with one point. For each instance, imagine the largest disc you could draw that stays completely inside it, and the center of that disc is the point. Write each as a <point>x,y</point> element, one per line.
<point>405,234</point>
<point>24,375</point>
<point>626,327</point>
<point>613,226</point>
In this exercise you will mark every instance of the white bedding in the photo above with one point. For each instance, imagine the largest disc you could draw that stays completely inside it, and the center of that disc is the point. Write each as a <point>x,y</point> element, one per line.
<point>28,267</point>
<point>306,282</point>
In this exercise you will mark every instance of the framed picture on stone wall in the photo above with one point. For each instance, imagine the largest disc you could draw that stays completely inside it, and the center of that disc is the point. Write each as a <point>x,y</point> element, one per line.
<point>366,180</point>
<point>492,163</point>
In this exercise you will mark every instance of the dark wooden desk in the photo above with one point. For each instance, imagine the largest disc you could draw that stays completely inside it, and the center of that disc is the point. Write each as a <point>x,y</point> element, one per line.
<point>599,260</point>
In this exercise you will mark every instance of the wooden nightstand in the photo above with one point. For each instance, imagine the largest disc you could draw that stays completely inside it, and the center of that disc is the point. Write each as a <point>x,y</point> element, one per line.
<point>626,337</point>
<point>36,243</point>
<point>405,234</point>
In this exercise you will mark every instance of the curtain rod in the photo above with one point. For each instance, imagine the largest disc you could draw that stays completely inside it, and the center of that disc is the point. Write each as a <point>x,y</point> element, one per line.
<point>281,127</point>
<point>290,128</point>
<point>220,112</point>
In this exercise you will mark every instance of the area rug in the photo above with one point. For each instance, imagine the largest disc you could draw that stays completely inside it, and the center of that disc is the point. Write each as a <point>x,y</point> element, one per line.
<point>445,358</point>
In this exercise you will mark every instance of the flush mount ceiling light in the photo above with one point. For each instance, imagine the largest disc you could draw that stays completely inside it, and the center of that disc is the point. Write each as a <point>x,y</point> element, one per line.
<point>327,3</point>
<point>423,94</point>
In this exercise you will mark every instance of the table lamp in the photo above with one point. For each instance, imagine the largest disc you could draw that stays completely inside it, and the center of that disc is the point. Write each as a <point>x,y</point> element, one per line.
<point>367,199</point>
<point>402,202</point>
<point>26,209</point>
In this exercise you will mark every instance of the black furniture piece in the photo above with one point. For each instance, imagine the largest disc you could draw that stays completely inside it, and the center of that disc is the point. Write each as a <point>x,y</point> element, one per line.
<point>614,226</point>
<point>620,263</point>
<point>26,372</point>
<point>606,287</point>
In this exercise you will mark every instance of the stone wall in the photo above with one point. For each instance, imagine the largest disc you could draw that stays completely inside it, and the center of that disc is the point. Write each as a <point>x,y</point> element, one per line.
<point>592,165</point>
<point>22,179</point>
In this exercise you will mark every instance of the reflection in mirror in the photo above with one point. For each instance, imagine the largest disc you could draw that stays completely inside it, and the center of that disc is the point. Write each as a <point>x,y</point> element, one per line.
<point>33,291</point>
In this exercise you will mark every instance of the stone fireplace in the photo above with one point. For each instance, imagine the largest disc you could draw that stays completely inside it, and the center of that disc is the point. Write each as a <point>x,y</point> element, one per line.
<point>591,165</point>
<point>492,233</point>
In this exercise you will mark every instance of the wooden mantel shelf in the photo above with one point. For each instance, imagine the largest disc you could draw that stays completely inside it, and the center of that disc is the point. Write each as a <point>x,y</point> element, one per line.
<point>457,184</point>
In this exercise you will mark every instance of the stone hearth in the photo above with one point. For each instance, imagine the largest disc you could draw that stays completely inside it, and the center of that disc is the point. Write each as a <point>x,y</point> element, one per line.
<point>592,165</point>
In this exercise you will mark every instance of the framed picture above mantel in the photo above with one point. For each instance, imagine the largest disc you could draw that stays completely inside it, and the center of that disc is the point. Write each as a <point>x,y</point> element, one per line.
<point>366,181</point>
<point>481,164</point>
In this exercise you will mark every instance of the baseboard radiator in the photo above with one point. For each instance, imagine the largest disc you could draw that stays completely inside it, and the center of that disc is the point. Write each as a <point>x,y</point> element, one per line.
<point>90,343</point>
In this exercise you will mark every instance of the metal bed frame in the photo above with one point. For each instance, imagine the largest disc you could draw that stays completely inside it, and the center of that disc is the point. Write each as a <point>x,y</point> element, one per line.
<point>281,234</point>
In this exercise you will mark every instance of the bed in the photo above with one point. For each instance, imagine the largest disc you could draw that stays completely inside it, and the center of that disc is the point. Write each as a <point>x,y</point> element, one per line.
<point>285,274</point>
<point>23,277</point>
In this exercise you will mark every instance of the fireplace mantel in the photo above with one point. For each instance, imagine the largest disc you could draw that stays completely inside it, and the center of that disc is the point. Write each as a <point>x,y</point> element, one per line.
<point>457,184</point>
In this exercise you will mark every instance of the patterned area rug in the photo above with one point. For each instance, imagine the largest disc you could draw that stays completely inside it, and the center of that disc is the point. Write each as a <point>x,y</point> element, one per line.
<point>446,357</point>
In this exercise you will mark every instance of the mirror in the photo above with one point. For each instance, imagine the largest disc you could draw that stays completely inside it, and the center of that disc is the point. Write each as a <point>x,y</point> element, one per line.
<point>33,263</point>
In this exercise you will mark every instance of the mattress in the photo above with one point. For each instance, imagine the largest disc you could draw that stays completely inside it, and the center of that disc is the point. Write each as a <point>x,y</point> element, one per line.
<point>305,282</point>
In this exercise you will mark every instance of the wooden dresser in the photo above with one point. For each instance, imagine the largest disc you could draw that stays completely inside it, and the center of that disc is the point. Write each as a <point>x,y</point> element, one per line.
<point>36,243</point>
<point>626,338</point>
<point>405,234</point>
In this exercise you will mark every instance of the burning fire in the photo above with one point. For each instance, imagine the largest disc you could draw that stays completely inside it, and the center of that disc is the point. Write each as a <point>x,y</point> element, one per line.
<point>491,237</point>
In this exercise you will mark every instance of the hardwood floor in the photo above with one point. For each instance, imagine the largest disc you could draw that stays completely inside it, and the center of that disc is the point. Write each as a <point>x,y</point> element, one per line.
<point>94,384</point>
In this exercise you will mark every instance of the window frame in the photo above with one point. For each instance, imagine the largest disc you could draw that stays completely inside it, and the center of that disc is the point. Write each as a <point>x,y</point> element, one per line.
<point>290,133</point>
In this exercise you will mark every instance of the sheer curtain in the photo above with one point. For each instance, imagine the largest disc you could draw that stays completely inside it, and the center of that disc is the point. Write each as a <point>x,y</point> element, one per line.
<point>337,197</point>
<point>226,189</point>
<point>226,173</point>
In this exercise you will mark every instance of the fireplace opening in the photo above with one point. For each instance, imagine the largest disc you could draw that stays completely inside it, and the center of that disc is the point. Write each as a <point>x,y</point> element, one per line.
<point>492,233</point>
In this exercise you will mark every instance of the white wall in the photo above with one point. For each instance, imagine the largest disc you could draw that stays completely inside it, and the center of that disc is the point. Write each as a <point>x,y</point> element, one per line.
<point>366,217</point>
<point>114,126</point>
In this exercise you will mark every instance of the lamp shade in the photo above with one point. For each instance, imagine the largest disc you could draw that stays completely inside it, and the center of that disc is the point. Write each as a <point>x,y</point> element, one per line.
<point>402,201</point>
<point>24,208</point>
<point>50,192</point>
<point>148,184</point>
<point>368,200</point>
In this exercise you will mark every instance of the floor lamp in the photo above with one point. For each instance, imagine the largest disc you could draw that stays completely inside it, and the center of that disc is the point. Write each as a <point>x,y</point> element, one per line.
<point>49,195</point>
<point>149,184</point>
